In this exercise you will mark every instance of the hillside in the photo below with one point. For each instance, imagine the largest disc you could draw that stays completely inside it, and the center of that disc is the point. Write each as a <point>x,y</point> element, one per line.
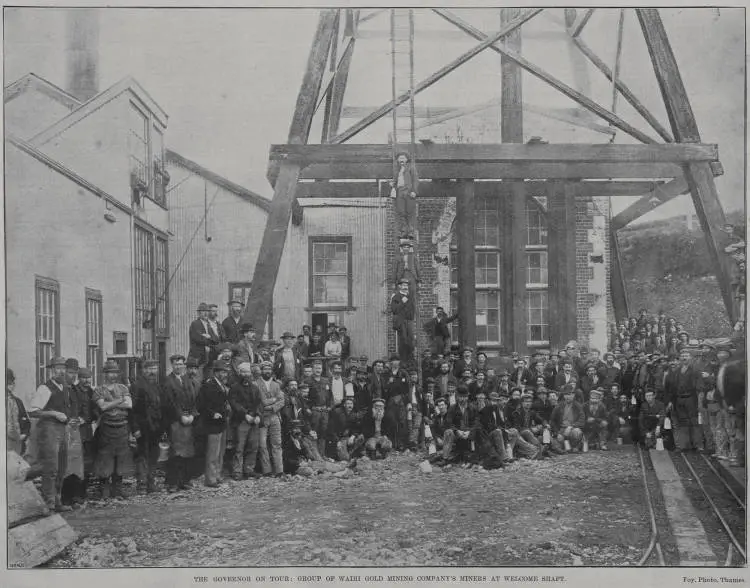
<point>668,267</point>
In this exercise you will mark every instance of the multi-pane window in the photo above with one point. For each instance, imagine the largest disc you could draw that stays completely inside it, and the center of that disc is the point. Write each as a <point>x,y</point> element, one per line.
<point>94,331</point>
<point>486,222</point>
<point>161,287</point>
<point>144,292</point>
<point>537,305</point>
<point>138,146</point>
<point>330,272</point>
<point>160,184</point>
<point>537,281</point>
<point>47,298</point>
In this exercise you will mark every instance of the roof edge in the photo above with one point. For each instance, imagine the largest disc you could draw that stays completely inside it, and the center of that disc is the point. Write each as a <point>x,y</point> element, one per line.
<point>198,169</point>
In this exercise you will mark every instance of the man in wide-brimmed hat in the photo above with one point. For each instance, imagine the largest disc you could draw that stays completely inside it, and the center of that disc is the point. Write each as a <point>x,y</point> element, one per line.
<point>114,456</point>
<point>201,340</point>
<point>147,423</point>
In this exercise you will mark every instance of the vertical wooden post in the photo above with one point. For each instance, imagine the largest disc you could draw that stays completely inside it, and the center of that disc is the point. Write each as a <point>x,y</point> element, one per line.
<point>556,274</point>
<point>467,314</point>
<point>617,280</point>
<point>685,130</point>
<point>569,307</point>
<point>511,131</point>
<point>260,298</point>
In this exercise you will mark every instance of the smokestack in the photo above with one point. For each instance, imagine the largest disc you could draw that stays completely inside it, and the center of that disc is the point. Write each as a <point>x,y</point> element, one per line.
<point>82,53</point>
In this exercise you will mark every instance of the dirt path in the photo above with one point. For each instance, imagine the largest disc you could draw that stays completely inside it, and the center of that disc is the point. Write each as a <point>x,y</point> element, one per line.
<point>572,510</point>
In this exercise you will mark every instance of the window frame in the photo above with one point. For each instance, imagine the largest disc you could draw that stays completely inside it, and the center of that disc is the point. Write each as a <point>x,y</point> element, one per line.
<point>161,295</point>
<point>323,239</point>
<point>537,342</point>
<point>151,125</point>
<point>532,204</point>
<point>40,284</point>
<point>95,296</point>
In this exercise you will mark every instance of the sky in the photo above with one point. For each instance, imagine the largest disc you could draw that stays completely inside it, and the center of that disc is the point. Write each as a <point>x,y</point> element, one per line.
<point>228,78</point>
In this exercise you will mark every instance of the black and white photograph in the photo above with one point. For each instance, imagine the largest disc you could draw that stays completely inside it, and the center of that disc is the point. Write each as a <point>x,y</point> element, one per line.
<point>362,296</point>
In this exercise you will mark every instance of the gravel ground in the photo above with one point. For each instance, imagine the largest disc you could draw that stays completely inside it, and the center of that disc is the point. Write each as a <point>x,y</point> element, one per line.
<point>581,509</point>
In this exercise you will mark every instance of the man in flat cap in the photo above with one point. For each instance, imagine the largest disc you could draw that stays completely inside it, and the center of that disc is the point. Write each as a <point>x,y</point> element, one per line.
<point>213,407</point>
<point>287,362</point>
<point>492,434</point>
<point>231,325</point>
<point>529,427</point>
<point>596,428</point>
<point>460,434</point>
<point>114,457</point>
<point>53,405</point>
<point>321,403</point>
<point>651,419</point>
<point>147,423</point>
<point>247,417</point>
<point>403,311</point>
<point>568,419</point>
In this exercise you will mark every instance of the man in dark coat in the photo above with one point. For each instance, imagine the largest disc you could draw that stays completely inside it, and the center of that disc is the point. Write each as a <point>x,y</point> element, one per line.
<point>596,428</point>
<point>402,309</point>
<point>321,403</point>
<point>213,406</point>
<point>491,436</point>
<point>460,434</point>
<point>440,334</point>
<point>651,420</point>
<point>244,398</point>
<point>346,345</point>
<point>179,414</point>
<point>685,385</point>
<point>520,376</point>
<point>406,266</point>
<point>396,392</point>
<point>467,362</point>
<point>568,419</point>
<point>377,443</point>
<point>404,189</point>
<point>147,425</point>
<point>231,325</point>
<point>287,363</point>
<point>202,342</point>
<point>344,431</point>
<point>18,424</point>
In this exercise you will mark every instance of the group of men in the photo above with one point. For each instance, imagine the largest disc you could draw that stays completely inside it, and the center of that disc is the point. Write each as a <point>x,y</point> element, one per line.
<point>287,409</point>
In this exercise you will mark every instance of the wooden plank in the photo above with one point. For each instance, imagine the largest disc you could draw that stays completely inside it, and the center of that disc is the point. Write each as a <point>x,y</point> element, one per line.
<point>419,111</point>
<point>467,315</point>
<point>623,188</point>
<point>435,77</point>
<point>625,90</point>
<point>538,72</point>
<point>340,78</point>
<point>468,170</point>
<point>518,255</point>
<point>260,298</point>
<point>577,29</point>
<point>339,190</point>
<point>511,86</point>
<point>556,269</point>
<point>307,98</point>
<point>33,544</point>
<point>649,201</point>
<point>617,280</point>
<point>24,503</point>
<point>375,153</point>
<point>699,176</point>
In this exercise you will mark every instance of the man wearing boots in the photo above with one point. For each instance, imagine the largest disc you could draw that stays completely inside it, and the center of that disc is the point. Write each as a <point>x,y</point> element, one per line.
<point>179,412</point>
<point>523,420</point>
<point>113,456</point>
<point>272,402</point>
<point>214,409</point>
<point>650,420</point>
<point>147,424</point>
<point>568,419</point>
<point>396,392</point>
<point>244,398</point>
<point>377,444</point>
<point>321,401</point>
<point>402,309</point>
<point>597,420</point>
<point>404,189</point>
<point>491,437</point>
<point>345,431</point>
<point>459,435</point>
<point>686,384</point>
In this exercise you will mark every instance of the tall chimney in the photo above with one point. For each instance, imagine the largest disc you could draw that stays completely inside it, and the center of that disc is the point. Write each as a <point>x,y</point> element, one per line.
<point>82,53</point>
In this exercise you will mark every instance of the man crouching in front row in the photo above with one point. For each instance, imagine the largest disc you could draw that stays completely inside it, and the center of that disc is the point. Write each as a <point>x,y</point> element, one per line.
<point>377,446</point>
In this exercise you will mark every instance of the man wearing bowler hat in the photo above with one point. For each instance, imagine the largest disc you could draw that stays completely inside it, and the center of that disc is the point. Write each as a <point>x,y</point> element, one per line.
<point>146,393</point>
<point>179,414</point>
<point>287,363</point>
<point>213,407</point>
<point>402,309</point>
<point>231,324</point>
<point>201,341</point>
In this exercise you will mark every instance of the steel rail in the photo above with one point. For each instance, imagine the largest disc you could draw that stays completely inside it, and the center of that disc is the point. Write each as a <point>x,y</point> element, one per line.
<point>722,520</point>
<point>654,542</point>
<point>723,481</point>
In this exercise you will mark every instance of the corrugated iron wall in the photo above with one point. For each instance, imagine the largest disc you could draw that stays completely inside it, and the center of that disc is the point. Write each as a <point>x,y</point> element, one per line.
<point>201,269</point>
<point>367,324</point>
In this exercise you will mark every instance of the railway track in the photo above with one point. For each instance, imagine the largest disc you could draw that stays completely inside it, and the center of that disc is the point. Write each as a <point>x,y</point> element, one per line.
<point>724,502</point>
<point>653,551</point>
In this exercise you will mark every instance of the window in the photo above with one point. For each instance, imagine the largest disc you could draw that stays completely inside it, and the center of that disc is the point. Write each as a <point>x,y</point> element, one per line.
<point>537,281</point>
<point>94,352</point>
<point>239,291</point>
<point>162,328</point>
<point>330,272</point>
<point>120,343</point>
<point>160,178</point>
<point>537,306</point>
<point>486,222</point>
<point>138,148</point>
<point>47,298</point>
<point>144,293</point>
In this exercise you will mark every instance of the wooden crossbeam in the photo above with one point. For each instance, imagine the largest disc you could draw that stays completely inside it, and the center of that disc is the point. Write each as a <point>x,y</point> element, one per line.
<point>373,153</point>
<point>577,28</point>
<point>626,92</point>
<point>648,202</point>
<point>538,72</point>
<point>435,77</point>
<point>699,175</point>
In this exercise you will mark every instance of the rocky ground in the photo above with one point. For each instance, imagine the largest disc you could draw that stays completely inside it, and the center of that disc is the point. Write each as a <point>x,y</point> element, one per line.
<point>581,509</point>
